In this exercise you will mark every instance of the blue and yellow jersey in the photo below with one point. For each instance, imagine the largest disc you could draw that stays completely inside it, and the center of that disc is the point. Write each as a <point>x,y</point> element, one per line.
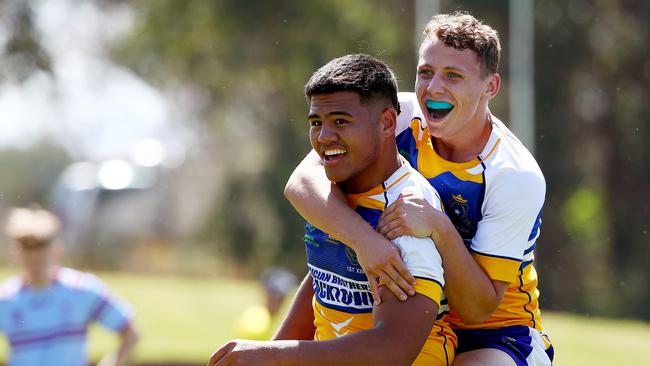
<point>342,299</point>
<point>495,202</point>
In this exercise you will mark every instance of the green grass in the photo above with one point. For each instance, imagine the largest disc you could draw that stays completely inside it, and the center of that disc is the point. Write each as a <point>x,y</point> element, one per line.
<point>580,340</point>
<point>187,318</point>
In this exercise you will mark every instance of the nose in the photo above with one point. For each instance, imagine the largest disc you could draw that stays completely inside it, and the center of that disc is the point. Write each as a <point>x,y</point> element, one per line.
<point>435,85</point>
<point>326,134</point>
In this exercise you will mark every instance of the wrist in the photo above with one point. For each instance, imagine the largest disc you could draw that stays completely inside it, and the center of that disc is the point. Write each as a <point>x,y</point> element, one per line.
<point>364,237</point>
<point>442,228</point>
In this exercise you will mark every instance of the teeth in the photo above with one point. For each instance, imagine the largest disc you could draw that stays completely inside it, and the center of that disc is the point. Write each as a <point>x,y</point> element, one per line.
<point>330,152</point>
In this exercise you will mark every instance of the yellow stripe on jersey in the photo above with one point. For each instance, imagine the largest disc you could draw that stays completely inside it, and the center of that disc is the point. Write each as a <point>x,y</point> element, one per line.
<point>438,349</point>
<point>429,288</point>
<point>332,323</point>
<point>499,269</point>
<point>426,287</point>
<point>430,164</point>
<point>520,305</point>
<point>365,199</point>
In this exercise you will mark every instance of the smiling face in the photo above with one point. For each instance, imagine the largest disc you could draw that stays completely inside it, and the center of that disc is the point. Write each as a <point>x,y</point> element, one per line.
<point>451,90</point>
<point>349,138</point>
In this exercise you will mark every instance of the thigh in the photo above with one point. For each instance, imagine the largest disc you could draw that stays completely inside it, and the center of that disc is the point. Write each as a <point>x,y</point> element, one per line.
<point>514,345</point>
<point>484,357</point>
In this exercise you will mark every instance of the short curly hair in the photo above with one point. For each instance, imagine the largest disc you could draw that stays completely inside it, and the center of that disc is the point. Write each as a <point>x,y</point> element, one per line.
<point>462,31</point>
<point>371,78</point>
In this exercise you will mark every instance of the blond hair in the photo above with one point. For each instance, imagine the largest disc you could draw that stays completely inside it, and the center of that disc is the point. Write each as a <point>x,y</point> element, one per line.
<point>32,227</point>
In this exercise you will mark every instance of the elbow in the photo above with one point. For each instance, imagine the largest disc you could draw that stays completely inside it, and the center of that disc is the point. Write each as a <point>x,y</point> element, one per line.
<point>296,186</point>
<point>477,316</point>
<point>291,189</point>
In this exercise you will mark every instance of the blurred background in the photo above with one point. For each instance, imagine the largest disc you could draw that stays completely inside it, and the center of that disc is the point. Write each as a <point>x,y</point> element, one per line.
<point>163,132</point>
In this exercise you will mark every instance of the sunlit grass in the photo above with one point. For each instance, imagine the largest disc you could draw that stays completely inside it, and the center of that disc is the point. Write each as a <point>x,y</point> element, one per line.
<point>186,318</point>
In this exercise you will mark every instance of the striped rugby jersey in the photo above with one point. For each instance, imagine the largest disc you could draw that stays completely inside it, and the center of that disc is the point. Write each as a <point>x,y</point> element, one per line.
<point>495,202</point>
<point>343,302</point>
<point>48,326</point>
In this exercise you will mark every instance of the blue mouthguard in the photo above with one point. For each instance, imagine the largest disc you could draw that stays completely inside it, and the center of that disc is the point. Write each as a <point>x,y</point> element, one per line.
<point>438,105</point>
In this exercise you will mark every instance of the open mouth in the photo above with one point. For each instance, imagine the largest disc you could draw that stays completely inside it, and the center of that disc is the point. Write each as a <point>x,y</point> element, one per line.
<point>438,109</point>
<point>332,154</point>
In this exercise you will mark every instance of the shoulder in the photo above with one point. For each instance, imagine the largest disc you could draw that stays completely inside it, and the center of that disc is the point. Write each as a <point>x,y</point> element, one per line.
<point>410,111</point>
<point>509,164</point>
<point>408,102</point>
<point>417,184</point>
<point>10,288</point>
<point>82,281</point>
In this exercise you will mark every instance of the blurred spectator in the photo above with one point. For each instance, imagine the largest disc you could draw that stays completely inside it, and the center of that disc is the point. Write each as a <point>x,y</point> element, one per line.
<point>257,321</point>
<point>46,310</point>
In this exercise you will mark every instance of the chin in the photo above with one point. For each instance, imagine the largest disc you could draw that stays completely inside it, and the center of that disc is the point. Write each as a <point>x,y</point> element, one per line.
<point>335,177</point>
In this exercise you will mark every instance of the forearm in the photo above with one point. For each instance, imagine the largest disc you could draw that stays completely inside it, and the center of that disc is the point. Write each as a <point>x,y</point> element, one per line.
<point>122,355</point>
<point>469,290</point>
<point>410,322</point>
<point>323,204</point>
<point>299,321</point>
<point>371,347</point>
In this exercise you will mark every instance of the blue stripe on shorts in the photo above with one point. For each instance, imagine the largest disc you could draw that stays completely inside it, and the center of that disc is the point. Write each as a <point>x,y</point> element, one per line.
<point>515,341</point>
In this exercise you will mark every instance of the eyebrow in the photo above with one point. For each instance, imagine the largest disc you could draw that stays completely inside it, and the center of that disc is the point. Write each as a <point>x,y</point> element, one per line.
<point>335,113</point>
<point>454,68</point>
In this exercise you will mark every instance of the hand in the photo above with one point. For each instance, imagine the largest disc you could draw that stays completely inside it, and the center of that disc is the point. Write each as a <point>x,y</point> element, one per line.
<point>240,352</point>
<point>409,215</point>
<point>382,260</point>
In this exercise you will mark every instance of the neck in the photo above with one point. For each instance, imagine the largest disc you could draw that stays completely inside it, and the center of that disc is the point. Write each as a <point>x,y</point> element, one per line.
<point>39,279</point>
<point>381,169</point>
<point>466,144</point>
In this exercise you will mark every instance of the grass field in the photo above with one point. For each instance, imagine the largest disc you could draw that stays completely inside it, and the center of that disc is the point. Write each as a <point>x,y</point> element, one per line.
<point>183,319</point>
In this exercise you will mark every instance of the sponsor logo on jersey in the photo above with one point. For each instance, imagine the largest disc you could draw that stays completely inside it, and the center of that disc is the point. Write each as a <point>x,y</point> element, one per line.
<point>459,210</point>
<point>352,256</point>
<point>333,289</point>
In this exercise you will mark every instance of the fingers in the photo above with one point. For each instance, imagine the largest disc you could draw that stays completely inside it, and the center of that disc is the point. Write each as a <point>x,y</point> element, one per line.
<point>374,288</point>
<point>405,275</point>
<point>398,285</point>
<point>220,353</point>
<point>396,290</point>
<point>393,216</point>
<point>391,230</point>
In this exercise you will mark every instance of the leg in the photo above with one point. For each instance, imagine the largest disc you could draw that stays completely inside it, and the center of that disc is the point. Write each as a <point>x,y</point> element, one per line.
<point>484,357</point>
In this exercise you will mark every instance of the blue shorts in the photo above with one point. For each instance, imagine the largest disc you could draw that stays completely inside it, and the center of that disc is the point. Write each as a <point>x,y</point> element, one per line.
<point>527,346</point>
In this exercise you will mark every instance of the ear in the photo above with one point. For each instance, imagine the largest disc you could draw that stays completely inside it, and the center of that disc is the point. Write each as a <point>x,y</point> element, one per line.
<point>493,85</point>
<point>388,121</point>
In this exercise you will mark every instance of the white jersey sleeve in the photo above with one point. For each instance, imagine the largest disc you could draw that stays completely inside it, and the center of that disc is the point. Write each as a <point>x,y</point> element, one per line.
<point>421,258</point>
<point>420,255</point>
<point>513,202</point>
<point>410,109</point>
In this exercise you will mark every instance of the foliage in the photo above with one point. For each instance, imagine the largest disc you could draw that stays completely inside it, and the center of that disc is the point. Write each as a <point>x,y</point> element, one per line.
<point>250,59</point>
<point>28,174</point>
<point>244,64</point>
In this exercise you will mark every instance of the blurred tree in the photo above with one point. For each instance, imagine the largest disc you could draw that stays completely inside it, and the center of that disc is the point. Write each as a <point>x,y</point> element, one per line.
<point>22,52</point>
<point>249,61</point>
<point>245,62</point>
<point>28,174</point>
<point>592,101</point>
